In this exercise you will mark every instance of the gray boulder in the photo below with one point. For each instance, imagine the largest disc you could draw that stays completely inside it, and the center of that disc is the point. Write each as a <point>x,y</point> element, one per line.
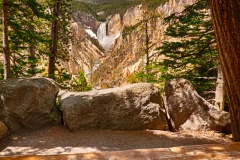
<point>3,130</point>
<point>29,103</point>
<point>186,110</point>
<point>131,107</point>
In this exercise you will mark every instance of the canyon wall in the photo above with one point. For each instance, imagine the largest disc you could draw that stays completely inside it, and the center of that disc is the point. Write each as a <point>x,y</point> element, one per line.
<point>127,55</point>
<point>121,52</point>
<point>85,53</point>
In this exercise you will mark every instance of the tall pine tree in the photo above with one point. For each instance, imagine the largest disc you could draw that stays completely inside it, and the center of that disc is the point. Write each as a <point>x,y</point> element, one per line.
<point>60,36</point>
<point>190,48</point>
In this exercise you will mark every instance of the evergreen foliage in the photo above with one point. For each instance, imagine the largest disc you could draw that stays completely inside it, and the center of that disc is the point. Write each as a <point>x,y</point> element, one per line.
<point>26,36</point>
<point>29,24</point>
<point>111,7</point>
<point>193,56</point>
<point>63,35</point>
<point>189,51</point>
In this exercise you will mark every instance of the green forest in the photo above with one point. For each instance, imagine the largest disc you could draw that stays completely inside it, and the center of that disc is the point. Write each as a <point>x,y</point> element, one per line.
<point>111,7</point>
<point>36,40</point>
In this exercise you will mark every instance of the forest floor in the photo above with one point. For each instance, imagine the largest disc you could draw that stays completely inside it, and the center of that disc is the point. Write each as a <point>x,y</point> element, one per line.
<point>59,140</point>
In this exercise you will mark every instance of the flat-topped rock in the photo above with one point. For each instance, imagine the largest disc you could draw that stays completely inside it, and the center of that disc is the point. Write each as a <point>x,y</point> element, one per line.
<point>130,107</point>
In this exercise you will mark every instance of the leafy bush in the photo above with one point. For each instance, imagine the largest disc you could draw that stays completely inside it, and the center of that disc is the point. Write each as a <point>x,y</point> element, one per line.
<point>80,84</point>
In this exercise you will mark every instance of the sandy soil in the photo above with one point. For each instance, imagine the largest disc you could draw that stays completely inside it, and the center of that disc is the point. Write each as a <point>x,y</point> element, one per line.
<point>59,140</point>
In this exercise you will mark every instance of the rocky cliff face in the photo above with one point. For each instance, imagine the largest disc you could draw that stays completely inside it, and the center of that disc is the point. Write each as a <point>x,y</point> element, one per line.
<point>115,24</point>
<point>85,52</point>
<point>86,21</point>
<point>127,54</point>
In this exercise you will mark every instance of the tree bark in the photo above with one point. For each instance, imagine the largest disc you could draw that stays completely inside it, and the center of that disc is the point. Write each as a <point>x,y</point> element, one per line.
<point>226,20</point>
<point>32,50</point>
<point>54,37</point>
<point>219,93</point>
<point>147,50</point>
<point>6,52</point>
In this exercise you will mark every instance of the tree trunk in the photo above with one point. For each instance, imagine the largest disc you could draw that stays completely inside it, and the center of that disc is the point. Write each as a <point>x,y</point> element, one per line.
<point>6,52</point>
<point>219,93</point>
<point>54,37</point>
<point>226,20</point>
<point>32,50</point>
<point>147,51</point>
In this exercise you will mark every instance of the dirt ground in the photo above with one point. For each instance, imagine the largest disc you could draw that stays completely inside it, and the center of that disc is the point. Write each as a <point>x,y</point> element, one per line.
<point>59,140</point>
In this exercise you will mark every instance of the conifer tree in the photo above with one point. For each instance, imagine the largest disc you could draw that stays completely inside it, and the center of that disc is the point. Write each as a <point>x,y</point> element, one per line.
<point>6,53</point>
<point>191,53</point>
<point>29,27</point>
<point>26,36</point>
<point>60,36</point>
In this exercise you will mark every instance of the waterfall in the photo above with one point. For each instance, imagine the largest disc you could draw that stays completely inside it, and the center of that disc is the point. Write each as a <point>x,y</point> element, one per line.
<point>104,40</point>
<point>102,31</point>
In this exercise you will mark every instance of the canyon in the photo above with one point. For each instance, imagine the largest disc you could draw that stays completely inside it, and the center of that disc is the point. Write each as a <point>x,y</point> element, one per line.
<point>111,52</point>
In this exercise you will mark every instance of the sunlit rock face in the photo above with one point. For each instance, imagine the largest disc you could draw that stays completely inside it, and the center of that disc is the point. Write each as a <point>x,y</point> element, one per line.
<point>126,55</point>
<point>133,16</point>
<point>115,24</point>
<point>175,6</point>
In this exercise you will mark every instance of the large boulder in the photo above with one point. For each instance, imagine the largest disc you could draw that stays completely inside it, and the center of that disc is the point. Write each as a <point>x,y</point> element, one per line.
<point>3,130</point>
<point>131,107</point>
<point>29,103</point>
<point>186,110</point>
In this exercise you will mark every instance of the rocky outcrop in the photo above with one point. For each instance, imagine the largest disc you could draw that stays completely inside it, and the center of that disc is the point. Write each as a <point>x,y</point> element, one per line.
<point>133,16</point>
<point>186,110</point>
<point>174,6</point>
<point>3,130</point>
<point>115,24</point>
<point>29,103</point>
<point>131,107</point>
<point>86,20</point>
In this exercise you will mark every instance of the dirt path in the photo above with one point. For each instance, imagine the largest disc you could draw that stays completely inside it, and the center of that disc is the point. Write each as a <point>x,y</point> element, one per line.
<point>228,151</point>
<point>58,140</point>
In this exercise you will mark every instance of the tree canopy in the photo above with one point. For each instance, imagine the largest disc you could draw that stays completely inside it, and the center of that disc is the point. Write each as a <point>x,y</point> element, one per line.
<point>189,48</point>
<point>29,35</point>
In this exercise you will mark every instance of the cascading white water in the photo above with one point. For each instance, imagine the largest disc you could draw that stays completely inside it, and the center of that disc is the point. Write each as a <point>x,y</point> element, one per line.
<point>103,39</point>
<point>102,31</point>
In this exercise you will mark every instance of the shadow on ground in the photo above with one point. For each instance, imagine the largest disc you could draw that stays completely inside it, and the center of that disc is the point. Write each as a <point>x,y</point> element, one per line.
<point>58,140</point>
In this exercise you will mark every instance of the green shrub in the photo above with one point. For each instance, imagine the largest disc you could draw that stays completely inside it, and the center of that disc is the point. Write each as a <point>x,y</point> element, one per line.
<point>80,84</point>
